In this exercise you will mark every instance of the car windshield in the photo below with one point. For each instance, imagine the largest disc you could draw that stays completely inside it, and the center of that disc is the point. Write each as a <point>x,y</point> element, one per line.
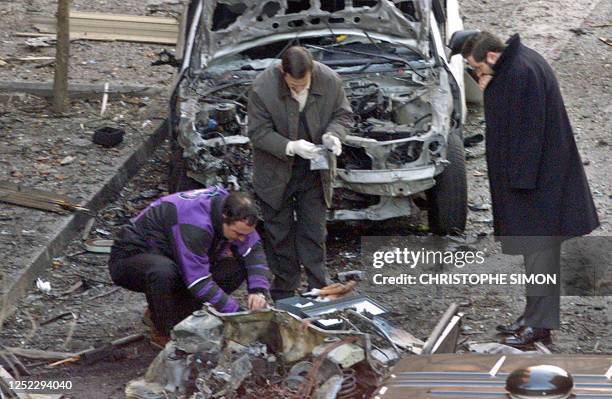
<point>345,54</point>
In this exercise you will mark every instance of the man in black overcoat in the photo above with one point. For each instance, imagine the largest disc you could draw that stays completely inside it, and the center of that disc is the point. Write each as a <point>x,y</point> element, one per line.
<point>539,191</point>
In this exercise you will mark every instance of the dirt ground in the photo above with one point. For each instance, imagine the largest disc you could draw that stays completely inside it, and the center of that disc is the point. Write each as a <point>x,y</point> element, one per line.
<point>33,144</point>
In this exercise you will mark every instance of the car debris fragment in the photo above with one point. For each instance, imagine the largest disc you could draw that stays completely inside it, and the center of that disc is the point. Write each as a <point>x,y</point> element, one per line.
<point>43,286</point>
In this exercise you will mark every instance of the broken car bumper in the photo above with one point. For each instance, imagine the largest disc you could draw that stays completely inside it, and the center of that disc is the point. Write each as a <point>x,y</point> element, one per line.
<point>389,182</point>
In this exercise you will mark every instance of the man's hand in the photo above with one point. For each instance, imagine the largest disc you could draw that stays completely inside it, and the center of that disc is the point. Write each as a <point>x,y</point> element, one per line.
<point>256,301</point>
<point>303,148</point>
<point>483,81</point>
<point>332,143</point>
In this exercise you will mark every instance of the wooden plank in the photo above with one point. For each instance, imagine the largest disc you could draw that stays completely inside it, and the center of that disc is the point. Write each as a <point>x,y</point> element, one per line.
<point>111,27</point>
<point>10,361</point>
<point>19,188</point>
<point>123,17</point>
<point>439,328</point>
<point>80,16</point>
<point>99,352</point>
<point>44,89</point>
<point>16,199</point>
<point>34,198</point>
<point>40,354</point>
<point>112,31</point>
<point>143,30</point>
<point>81,25</point>
<point>104,37</point>
<point>43,206</point>
<point>447,343</point>
<point>32,59</point>
<point>51,36</point>
<point>60,101</point>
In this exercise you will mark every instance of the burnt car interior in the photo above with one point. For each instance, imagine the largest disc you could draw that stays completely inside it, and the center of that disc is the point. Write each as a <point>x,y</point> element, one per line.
<point>402,119</point>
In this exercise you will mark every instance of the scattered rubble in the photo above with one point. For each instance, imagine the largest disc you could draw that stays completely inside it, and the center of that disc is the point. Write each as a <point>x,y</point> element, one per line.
<point>237,355</point>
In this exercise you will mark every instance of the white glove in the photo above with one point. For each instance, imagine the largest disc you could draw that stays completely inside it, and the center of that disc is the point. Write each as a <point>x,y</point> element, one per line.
<point>332,143</point>
<point>303,148</point>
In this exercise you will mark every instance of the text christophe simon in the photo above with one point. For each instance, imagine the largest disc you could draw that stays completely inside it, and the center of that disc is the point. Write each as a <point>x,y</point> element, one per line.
<point>411,258</point>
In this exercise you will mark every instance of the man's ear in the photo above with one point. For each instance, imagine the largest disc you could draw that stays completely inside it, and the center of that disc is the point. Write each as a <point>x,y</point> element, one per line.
<point>492,57</point>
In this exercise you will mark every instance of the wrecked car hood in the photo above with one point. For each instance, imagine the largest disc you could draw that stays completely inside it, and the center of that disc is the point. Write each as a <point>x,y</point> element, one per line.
<point>227,25</point>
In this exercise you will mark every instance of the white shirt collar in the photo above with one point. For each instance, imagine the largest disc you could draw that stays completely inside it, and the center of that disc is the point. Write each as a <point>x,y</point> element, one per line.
<point>302,97</point>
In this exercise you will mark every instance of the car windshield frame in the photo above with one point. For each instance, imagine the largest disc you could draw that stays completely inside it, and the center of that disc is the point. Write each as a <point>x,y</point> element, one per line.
<point>253,27</point>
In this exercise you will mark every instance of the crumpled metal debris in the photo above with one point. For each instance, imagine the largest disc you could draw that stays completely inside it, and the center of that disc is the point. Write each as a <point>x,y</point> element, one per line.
<point>177,371</point>
<point>346,355</point>
<point>230,378</point>
<point>399,337</point>
<point>200,332</point>
<point>213,354</point>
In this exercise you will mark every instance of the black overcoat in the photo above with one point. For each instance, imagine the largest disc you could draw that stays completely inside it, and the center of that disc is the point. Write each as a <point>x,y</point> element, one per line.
<point>538,185</point>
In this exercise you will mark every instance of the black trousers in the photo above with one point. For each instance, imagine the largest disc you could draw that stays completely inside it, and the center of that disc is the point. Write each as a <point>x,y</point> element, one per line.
<point>542,309</point>
<point>295,234</point>
<point>160,279</point>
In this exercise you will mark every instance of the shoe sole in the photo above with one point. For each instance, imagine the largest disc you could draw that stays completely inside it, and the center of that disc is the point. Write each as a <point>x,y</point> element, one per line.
<point>502,330</point>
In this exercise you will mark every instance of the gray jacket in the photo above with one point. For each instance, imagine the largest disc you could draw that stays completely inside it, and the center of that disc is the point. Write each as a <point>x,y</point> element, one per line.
<point>273,122</point>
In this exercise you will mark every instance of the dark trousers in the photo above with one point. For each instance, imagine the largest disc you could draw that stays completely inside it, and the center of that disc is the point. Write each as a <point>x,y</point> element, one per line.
<point>295,234</point>
<point>160,279</point>
<point>542,309</point>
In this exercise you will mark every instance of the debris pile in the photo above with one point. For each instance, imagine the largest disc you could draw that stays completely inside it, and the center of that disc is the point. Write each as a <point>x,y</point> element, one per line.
<point>273,354</point>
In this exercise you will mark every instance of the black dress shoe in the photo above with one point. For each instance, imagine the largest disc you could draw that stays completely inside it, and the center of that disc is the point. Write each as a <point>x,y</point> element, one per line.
<point>527,337</point>
<point>512,328</point>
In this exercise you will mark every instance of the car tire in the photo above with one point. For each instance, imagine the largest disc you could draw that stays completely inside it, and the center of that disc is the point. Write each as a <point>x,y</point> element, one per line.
<point>447,200</point>
<point>178,179</point>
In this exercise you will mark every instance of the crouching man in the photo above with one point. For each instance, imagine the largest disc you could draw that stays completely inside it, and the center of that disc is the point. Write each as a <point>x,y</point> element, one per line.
<point>189,248</point>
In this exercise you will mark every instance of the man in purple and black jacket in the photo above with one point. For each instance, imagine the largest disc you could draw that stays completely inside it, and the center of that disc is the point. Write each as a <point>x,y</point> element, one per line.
<point>189,248</point>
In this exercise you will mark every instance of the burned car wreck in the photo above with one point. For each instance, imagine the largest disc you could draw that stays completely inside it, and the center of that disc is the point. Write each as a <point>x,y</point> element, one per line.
<point>405,145</point>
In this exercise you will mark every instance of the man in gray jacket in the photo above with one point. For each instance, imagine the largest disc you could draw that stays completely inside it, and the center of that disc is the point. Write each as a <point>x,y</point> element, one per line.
<point>296,110</point>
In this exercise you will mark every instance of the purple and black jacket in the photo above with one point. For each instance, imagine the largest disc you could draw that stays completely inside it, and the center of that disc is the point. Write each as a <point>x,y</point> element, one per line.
<point>187,227</point>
